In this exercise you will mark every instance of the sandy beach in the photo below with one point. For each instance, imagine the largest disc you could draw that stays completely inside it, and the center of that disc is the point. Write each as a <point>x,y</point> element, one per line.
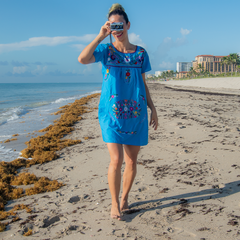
<point>188,180</point>
<point>227,85</point>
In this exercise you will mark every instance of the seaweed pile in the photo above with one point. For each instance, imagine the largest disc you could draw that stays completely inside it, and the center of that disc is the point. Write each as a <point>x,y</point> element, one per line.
<point>39,150</point>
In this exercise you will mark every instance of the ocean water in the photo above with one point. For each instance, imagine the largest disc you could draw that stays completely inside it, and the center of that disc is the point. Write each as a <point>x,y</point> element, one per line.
<point>28,107</point>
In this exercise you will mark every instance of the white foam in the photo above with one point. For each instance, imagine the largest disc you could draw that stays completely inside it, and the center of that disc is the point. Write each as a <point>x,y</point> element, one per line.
<point>64,99</point>
<point>11,114</point>
<point>7,154</point>
<point>75,97</point>
<point>5,136</point>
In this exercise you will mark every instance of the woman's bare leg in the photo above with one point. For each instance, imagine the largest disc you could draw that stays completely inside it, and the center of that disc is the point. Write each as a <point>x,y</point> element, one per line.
<point>114,176</point>
<point>130,157</point>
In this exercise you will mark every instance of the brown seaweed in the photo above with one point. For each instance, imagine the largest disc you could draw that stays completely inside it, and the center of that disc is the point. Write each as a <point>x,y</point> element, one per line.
<point>28,233</point>
<point>41,149</point>
<point>9,140</point>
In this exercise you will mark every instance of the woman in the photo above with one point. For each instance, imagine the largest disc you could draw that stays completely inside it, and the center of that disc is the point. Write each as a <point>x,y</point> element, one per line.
<point>123,103</point>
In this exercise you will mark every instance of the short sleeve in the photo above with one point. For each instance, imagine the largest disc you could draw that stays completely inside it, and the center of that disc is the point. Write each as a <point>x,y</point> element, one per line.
<point>100,53</point>
<point>146,63</point>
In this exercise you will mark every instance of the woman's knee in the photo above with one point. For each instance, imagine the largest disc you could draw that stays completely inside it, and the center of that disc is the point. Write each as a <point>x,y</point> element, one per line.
<point>116,154</point>
<point>131,163</point>
<point>130,155</point>
<point>116,160</point>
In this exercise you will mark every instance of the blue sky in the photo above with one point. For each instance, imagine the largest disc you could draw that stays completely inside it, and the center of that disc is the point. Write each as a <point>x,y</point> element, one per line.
<point>40,40</point>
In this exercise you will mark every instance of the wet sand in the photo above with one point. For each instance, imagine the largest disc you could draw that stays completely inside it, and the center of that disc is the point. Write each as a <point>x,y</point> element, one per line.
<point>187,185</point>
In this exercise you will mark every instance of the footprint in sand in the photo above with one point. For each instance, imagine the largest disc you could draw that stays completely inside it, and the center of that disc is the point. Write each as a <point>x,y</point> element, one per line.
<point>66,168</point>
<point>142,189</point>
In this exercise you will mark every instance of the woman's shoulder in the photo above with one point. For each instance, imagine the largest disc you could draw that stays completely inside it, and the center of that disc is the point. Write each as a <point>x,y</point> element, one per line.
<point>141,50</point>
<point>102,47</point>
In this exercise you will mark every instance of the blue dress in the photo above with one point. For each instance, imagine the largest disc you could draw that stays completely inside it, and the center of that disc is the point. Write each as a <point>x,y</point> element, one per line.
<point>122,109</point>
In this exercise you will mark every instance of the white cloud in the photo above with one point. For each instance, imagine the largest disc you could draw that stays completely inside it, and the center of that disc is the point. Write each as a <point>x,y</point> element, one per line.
<point>79,47</point>
<point>185,31</point>
<point>167,40</point>
<point>88,69</point>
<point>135,39</point>
<point>44,41</point>
<point>19,70</point>
<point>39,70</point>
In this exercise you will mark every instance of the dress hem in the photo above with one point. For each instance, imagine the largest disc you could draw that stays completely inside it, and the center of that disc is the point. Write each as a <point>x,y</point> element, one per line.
<point>126,143</point>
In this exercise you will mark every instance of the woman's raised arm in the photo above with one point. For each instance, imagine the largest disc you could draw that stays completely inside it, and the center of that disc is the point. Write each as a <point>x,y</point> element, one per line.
<point>86,56</point>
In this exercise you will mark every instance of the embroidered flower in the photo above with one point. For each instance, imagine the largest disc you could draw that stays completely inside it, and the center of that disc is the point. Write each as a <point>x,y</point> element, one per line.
<point>113,96</point>
<point>128,76</point>
<point>125,109</point>
<point>106,76</point>
<point>143,98</point>
<point>127,132</point>
<point>117,58</point>
<point>127,59</point>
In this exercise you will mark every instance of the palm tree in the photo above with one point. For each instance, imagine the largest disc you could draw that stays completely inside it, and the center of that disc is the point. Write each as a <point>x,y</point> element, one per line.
<point>200,67</point>
<point>163,75</point>
<point>190,73</point>
<point>225,63</point>
<point>238,68</point>
<point>171,73</point>
<point>234,60</point>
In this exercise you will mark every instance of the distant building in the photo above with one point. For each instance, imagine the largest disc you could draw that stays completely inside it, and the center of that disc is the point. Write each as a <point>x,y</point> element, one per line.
<point>184,66</point>
<point>211,64</point>
<point>182,74</point>
<point>150,75</point>
<point>158,73</point>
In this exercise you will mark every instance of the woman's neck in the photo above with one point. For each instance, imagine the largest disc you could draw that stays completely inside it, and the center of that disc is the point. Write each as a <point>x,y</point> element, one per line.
<point>124,47</point>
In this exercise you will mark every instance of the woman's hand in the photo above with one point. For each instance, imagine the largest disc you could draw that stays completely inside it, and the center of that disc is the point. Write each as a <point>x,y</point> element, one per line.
<point>105,30</point>
<point>154,120</point>
<point>86,56</point>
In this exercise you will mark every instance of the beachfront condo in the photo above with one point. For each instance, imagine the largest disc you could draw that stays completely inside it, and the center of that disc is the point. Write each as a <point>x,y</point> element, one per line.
<point>211,64</point>
<point>184,66</point>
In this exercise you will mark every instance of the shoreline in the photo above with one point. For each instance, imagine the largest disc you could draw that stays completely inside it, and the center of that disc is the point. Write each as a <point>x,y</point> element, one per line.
<point>184,189</point>
<point>45,118</point>
<point>224,86</point>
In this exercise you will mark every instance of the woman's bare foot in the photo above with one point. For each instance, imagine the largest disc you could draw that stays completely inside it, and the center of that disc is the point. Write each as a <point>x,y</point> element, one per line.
<point>115,213</point>
<point>124,206</point>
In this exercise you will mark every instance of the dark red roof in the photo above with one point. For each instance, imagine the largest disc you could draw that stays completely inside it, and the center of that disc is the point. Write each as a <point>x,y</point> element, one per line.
<point>210,56</point>
<point>205,56</point>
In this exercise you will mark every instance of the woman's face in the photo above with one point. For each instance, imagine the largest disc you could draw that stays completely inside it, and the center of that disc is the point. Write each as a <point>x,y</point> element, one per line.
<point>119,35</point>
